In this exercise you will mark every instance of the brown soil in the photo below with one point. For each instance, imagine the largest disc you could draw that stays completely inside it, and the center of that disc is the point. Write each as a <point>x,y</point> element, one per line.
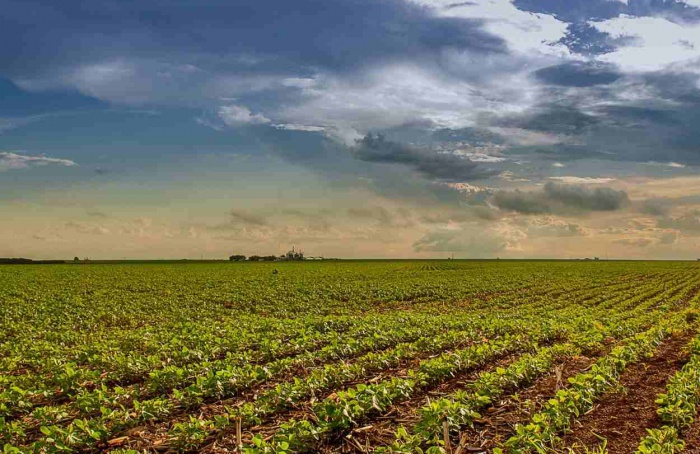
<point>381,430</point>
<point>498,421</point>
<point>156,433</point>
<point>622,417</point>
<point>692,439</point>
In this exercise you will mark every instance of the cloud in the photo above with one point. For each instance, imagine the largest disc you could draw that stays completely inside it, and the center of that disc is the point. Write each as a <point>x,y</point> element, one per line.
<point>561,198</point>
<point>245,217</point>
<point>451,95</point>
<point>670,237</point>
<point>656,207</point>
<point>658,44</point>
<point>598,199</point>
<point>12,161</point>
<point>87,228</point>
<point>234,115</point>
<point>578,74</point>
<point>524,33</point>
<point>689,222</point>
<point>590,10</point>
<point>96,214</point>
<point>554,117</point>
<point>582,180</point>
<point>234,38</point>
<point>382,216</point>
<point>635,242</point>
<point>461,241</point>
<point>431,164</point>
<point>550,226</point>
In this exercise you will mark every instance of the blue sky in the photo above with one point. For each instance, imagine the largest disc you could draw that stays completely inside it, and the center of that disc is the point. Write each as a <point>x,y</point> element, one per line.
<point>355,128</point>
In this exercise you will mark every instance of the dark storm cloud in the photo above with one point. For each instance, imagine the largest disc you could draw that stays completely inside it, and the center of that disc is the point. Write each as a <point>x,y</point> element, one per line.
<point>267,35</point>
<point>597,199</point>
<point>597,113</point>
<point>521,202</point>
<point>431,164</point>
<point>577,74</point>
<point>559,118</point>
<point>561,198</point>
<point>573,10</point>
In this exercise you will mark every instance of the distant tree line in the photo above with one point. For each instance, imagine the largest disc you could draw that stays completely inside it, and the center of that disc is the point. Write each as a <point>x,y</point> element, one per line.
<point>289,256</point>
<point>253,258</point>
<point>23,261</point>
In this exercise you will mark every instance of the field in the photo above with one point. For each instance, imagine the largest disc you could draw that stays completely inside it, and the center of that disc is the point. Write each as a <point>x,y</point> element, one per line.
<point>321,357</point>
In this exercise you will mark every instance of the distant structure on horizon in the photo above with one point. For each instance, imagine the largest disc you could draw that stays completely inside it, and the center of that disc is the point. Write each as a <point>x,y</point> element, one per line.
<point>292,255</point>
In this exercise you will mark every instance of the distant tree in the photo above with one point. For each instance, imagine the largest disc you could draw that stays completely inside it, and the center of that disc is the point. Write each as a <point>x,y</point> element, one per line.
<point>76,259</point>
<point>262,258</point>
<point>237,258</point>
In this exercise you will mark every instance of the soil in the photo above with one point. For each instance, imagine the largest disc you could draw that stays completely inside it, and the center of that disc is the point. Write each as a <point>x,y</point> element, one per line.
<point>497,423</point>
<point>624,414</point>
<point>692,439</point>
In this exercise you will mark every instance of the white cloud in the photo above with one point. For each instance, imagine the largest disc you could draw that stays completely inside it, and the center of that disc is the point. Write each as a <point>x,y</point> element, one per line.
<point>523,31</point>
<point>12,161</point>
<point>468,188</point>
<point>658,44</point>
<point>396,95</point>
<point>558,165</point>
<point>479,157</point>
<point>582,180</point>
<point>295,127</point>
<point>511,176</point>
<point>519,136</point>
<point>236,115</point>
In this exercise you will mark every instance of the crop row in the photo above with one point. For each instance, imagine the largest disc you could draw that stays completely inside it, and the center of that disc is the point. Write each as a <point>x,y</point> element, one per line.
<point>587,387</point>
<point>677,407</point>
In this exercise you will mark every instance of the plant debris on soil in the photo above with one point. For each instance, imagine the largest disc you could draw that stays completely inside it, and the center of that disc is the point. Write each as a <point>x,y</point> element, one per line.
<point>497,423</point>
<point>623,415</point>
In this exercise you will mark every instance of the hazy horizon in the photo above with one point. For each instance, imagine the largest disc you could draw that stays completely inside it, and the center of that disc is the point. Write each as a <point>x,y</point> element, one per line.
<point>366,129</point>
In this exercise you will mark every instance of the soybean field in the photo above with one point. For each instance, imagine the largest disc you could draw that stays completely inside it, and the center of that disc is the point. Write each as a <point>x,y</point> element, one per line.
<point>351,357</point>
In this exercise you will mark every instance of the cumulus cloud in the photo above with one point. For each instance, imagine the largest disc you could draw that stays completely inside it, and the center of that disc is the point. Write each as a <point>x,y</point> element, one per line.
<point>11,161</point>
<point>235,115</point>
<point>561,198</point>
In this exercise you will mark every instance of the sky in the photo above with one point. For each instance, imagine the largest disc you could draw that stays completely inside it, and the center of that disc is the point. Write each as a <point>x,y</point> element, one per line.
<point>350,128</point>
